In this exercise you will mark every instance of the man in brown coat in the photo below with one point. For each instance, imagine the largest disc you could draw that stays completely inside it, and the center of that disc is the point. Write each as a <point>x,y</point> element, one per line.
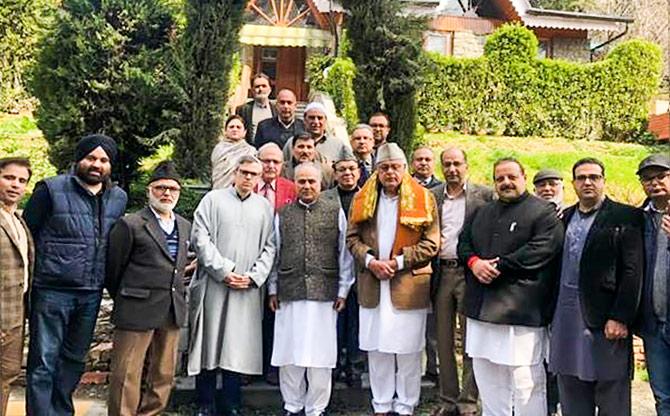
<point>146,264</point>
<point>16,264</point>
<point>393,235</point>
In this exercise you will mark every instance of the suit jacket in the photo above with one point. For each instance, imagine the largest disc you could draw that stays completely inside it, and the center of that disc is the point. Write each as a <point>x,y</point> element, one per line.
<point>284,194</point>
<point>612,264</point>
<point>12,278</point>
<point>410,287</point>
<point>147,285</point>
<point>475,197</point>
<point>246,111</point>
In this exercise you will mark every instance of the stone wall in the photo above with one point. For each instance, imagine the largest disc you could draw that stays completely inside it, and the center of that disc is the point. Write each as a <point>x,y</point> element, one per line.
<point>576,50</point>
<point>468,45</point>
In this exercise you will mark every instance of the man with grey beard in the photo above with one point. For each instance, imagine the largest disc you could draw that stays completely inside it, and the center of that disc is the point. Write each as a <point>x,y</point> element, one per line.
<point>146,264</point>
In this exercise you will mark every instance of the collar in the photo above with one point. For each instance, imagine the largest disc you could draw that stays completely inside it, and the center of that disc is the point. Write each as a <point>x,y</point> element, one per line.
<point>651,208</point>
<point>591,211</point>
<point>7,208</point>
<point>158,216</point>
<point>461,194</point>
<point>306,205</point>
<point>286,126</point>
<point>321,139</point>
<point>272,184</point>
<point>258,105</point>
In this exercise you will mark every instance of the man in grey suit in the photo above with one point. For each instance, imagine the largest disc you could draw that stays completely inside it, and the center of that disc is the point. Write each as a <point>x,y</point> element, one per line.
<point>146,263</point>
<point>457,199</point>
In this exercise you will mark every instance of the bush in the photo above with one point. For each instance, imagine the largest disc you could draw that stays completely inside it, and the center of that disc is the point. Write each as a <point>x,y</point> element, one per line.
<point>335,76</point>
<point>102,69</point>
<point>509,91</point>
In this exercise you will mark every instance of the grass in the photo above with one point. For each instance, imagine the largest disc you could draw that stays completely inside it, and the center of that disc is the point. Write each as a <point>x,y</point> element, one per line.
<point>19,135</point>
<point>620,159</point>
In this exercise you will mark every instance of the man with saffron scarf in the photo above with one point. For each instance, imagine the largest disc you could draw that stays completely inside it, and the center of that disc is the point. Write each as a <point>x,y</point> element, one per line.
<point>393,235</point>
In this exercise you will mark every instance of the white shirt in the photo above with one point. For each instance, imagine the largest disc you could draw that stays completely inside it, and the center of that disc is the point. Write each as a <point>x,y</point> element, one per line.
<point>385,328</point>
<point>453,216</point>
<point>166,225</point>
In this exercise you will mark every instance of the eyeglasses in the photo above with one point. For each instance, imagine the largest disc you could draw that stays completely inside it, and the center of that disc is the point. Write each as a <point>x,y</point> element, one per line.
<point>592,178</point>
<point>163,189</point>
<point>246,173</point>
<point>646,180</point>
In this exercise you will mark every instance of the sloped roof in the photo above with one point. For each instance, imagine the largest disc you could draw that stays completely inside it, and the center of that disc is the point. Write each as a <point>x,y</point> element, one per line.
<point>327,6</point>
<point>558,19</point>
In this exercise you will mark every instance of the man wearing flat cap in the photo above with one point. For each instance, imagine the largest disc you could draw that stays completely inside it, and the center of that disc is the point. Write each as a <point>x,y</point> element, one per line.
<point>654,315</point>
<point>548,185</point>
<point>69,216</point>
<point>316,123</point>
<point>393,235</point>
<point>146,263</point>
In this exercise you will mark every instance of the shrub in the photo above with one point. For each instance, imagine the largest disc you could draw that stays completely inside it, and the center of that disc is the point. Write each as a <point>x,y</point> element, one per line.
<point>335,76</point>
<point>509,91</point>
<point>102,69</point>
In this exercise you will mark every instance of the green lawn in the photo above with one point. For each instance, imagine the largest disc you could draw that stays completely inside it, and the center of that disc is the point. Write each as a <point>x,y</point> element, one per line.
<point>20,136</point>
<point>620,159</point>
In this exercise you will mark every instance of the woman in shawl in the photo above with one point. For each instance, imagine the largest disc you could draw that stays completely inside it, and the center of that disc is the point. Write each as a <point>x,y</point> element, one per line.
<point>229,149</point>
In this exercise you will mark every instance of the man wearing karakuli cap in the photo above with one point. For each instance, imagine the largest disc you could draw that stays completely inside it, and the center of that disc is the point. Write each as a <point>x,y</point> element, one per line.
<point>654,315</point>
<point>146,267</point>
<point>69,216</point>
<point>316,123</point>
<point>548,185</point>
<point>393,235</point>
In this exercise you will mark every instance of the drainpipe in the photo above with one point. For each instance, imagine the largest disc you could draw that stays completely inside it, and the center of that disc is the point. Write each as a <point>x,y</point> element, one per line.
<point>607,42</point>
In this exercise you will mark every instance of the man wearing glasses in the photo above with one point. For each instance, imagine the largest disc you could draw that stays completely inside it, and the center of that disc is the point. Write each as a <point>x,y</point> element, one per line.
<point>146,264</point>
<point>381,127</point>
<point>600,284</point>
<point>654,173</point>
<point>233,239</point>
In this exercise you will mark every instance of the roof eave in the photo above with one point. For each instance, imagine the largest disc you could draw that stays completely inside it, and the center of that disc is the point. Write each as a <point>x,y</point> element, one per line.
<point>578,15</point>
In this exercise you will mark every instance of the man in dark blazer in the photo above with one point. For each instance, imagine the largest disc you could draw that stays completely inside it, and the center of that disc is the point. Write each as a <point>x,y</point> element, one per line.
<point>457,199</point>
<point>600,286</point>
<point>16,266</point>
<point>145,277</point>
<point>259,108</point>
<point>423,167</point>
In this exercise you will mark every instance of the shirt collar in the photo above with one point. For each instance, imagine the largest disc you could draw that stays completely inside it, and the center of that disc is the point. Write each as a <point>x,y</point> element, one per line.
<point>284,124</point>
<point>272,185</point>
<point>462,194</point>
<point>651,208</point>
<point>158,215</point>
<point>7,209</point>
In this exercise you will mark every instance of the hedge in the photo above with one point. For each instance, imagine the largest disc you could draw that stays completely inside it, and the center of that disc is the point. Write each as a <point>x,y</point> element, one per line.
<point>512,92</point>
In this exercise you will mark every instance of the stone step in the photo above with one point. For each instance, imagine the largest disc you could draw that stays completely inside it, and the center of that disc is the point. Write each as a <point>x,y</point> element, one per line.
<point>260,395</point>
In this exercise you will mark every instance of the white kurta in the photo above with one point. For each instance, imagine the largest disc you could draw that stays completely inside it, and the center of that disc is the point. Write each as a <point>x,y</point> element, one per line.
<point>228,235</point>
<point>305,333</point>
<point>385,328</point>
<point>511,345</point>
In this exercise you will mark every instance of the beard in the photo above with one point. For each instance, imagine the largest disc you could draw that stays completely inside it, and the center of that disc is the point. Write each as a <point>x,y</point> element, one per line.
<point>85,174</point>
<point>162,207</point>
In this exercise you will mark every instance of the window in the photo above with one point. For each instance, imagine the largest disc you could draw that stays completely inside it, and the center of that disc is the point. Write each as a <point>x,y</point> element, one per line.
<point>440,42</point>
<point>269,62</point>
<point>545,48</point>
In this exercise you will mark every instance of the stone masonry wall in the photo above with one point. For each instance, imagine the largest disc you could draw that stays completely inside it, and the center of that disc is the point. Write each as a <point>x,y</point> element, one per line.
<point>576,50</point>
<point>468,45</point>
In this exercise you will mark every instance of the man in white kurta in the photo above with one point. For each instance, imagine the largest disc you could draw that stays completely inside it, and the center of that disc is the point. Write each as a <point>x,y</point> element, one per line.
<point>233,238</point>
<point>393,234</point>
<point>308,287</point>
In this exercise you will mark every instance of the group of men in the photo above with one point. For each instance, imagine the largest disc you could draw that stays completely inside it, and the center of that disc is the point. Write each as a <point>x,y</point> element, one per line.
<point>315,277</point>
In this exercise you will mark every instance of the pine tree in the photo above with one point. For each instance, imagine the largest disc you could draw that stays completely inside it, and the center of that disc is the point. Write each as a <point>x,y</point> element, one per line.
<point>386,48</point>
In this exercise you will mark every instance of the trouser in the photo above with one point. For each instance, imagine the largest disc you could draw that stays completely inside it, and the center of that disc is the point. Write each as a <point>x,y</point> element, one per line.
<point>305,388</point>
<point>349,358</point>
<point>61,328</point>
<point>11,353</point>
<point>395,381</point>
<point>657,354</point>
<point>511,390</point>
<point>268,327</point>
<point>154,350</point>
<point>552,391</point>
<point>432,351</point>
<point>205,389</point>
<point>580,398</point>
<point>448,305</point>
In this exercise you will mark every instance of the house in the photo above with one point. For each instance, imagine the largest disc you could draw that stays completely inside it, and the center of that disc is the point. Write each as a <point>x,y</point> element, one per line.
<point>279,35</point>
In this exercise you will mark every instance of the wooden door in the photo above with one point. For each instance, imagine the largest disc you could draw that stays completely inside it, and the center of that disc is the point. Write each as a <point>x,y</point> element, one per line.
<point>291,71</point>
